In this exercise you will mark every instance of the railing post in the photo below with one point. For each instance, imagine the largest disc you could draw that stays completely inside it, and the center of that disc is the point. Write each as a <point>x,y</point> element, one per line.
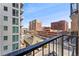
<point>77,46</point>
<point>68,46</point>
<point>49,49</point>
<point>53,48</point>
<point>56,46</point>
<point>42,50</point>
<point>33,53</point>
<point>62,45</point>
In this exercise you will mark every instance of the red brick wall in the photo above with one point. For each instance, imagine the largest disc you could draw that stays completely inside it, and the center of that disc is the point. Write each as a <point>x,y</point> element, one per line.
<point>61,25</point>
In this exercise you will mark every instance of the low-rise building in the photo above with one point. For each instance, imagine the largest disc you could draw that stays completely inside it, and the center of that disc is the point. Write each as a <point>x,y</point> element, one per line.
<point>60,25</point>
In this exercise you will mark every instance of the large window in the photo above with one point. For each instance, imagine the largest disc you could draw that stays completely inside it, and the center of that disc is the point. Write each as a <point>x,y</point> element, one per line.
<point>5,18</point>
<point>15,38</point>
<point>15,21</point>
<point>5,47</point>
<point>5,37</point>
<point>15,46</point>
<point>15,12</point>
<point>15,29</point>
<point>5,8</point>
<point>5,28</point>
<point>15,5</point>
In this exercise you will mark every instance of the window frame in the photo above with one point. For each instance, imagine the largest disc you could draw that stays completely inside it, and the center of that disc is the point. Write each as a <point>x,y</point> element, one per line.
<point>6,38</point>
<point>5,28</point>
<point>5,8</point>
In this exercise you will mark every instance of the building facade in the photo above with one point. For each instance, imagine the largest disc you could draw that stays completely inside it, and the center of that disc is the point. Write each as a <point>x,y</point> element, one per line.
<point>47,32</point>
<point>74,15</point>
<point>35,25</point>
<point>10,25</point>
<point>60,25</point>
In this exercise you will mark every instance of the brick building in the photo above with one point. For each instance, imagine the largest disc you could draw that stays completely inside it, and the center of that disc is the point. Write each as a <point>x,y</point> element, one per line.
<point>60,25</point>
<point>47,32</point>
<point>35,25</point>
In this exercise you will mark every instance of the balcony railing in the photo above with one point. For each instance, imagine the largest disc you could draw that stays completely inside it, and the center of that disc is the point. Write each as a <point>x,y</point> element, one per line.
<point>60,45</point>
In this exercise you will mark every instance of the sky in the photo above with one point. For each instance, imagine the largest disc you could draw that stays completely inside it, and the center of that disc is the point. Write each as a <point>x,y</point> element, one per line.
<point>46,13</point>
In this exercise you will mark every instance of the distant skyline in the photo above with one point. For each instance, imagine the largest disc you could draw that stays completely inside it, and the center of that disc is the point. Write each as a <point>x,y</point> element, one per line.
<point>46,13</point>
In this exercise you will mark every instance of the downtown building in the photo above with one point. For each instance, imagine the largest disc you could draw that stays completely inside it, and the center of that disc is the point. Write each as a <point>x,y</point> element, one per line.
<point>10,25</point>
<point>60,25</point>
<point>47,32</point>
<point>74,15</point>
<point>35,25</point>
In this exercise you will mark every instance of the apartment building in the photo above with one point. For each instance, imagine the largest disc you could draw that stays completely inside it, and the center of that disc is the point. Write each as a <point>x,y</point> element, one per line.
<point>60,25</point>
<point>10,24</point>
<point>35,25</point>
<point>74,15</point>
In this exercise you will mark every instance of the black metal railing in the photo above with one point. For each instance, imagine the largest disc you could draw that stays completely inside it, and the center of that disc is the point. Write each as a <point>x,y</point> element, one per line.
<point>60,45</point>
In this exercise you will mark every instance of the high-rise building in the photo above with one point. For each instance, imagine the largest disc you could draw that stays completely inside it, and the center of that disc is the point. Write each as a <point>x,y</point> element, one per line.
<point>60,25</point>
<point>74,14</point>
<point>10,24</point>
<point>35,25</point>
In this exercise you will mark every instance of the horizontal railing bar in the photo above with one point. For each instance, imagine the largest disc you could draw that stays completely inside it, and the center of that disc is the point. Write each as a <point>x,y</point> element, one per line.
<point>28,49</point>
<point>72,35</point>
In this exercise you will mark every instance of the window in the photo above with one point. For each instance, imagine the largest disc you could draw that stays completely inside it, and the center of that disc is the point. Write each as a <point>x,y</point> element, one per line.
<point>15,21</point>
<point>5,37</point>
<point>5,27</point>
<point>15,5</point>
<point>15,46</point>
<point>5,18</point>
<point>5,47</point>
<point>15,38</point>
<point>15,12</point>
<point>5,8</point>
<point>15,29</point>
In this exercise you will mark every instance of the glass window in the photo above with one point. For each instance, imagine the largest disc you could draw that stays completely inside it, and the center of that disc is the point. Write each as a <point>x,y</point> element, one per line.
<point>15,29</point>
<point>15,46</point>
<point>5,18</point>
<point>15,12</point>
<point>15,38</point>
<point>5,8</point>
<point>5,37</point>
<point>5,27</point>
<point>15,21</point>
<point>74,6</point>
<point>15,5</point>
<point>5,47</point>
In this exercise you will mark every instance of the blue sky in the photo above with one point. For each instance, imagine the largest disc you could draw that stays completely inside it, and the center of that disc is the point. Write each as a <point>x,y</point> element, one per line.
<point>46,13</point>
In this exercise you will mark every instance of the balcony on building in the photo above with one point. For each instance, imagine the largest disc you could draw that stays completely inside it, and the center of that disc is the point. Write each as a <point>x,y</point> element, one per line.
<point>21,18</point>
<point>21,5</point>
<point>58,45</point>
<point>61,44</point>
<point>21,11</point>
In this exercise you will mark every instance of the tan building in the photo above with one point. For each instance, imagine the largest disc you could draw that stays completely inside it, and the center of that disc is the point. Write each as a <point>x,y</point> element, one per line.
<point>35,25</point>
<point>74,11</point>
<point>47,32</point>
